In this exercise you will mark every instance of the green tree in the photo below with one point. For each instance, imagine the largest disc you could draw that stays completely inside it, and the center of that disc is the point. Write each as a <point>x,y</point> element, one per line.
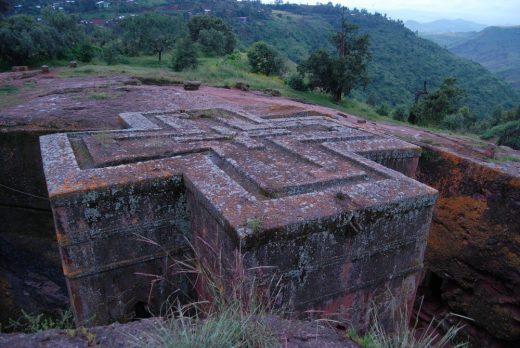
<point>339,74</point>
<point>496,116</point>
<point>511,135</point>
<point>23,40</point>
<point>500,116</point>
<point>432,109</point>
<point>111,53</point>
<point>296,82</point>
<point>203,27</point>
<point>213,42</point>
<point>70,33</point>
<point>184,55</point>
<point>101,35</point>
<point>85,51</point>
<point>383,109</point>
<point>151,33</point>
<point>399,113</point>
<point>265,59</point>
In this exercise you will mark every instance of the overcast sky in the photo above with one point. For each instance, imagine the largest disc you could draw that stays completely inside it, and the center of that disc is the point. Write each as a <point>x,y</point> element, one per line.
<point>490,12</point>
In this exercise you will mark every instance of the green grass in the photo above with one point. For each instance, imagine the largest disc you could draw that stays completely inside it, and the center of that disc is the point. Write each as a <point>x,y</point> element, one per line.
<point>228,311</point>
<point>254,224</point>
<point>401,333</point>
<point>30,323</point>
<point>218,72</point>
<point>228,327</point>
<point>8,89</point>
<point>99,96</point>
<point>10,94</point>
<point>503,159</point>
<point>509,158</point>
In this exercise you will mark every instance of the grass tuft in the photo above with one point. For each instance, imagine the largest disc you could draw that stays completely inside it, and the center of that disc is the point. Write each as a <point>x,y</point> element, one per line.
<point>227,327</point>
<point>228,312</point>
<point>30,323</point>
<point>400,333</point>
<point>254,224</point>
<point>8,89</point>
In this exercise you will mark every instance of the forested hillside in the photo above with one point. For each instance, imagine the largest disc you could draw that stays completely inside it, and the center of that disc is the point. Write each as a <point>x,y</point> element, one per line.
<point>400,60</point>
<point>496,48</point>
<point>448,40</point>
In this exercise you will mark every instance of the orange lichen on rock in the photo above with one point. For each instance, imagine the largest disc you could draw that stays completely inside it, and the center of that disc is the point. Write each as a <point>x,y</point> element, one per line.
<point>474,241</point>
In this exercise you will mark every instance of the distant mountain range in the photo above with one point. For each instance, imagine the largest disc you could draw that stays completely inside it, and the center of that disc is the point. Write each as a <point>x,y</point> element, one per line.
<point>496,48</point>
<point>444,26</point>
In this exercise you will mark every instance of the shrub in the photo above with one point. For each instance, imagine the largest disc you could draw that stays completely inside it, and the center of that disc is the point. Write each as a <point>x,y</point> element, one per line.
<point>399,114</point>
<point>30,323</point>
<point>85,52</point>
<point>371,99</point>
<point>453,122</point>
<point>511,135</point>
<point>111,53</point>
<point>184,55</point>
<point>264,59</point>
<point>233,57</point>
<point>432,109</point>
<point>296,82</point>
<point>383,109</point>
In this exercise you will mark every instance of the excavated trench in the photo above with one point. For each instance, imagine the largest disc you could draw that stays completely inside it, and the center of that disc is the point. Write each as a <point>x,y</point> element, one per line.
<point>472,261</point>
<point>471,256</point>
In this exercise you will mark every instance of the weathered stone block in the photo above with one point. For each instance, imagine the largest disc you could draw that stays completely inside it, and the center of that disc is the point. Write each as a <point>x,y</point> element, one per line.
<point>18,68</point>
<point>339,228</point>
<point>191,85</point>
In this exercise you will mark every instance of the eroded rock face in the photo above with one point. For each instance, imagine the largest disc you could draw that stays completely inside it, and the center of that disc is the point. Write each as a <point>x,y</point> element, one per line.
<point>30,266</point>
<point>474,243</point>
<point>339,228</point>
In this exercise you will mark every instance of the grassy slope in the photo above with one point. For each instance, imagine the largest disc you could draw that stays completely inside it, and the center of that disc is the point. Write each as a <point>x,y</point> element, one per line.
<point>400,59</point>
<point>219,72</point>
<point>496,48</point>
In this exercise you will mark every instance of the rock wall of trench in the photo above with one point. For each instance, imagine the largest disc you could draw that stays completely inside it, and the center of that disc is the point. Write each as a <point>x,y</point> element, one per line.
<point>31,276</point>
<point>473,248</point>
<point>474,242</point>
